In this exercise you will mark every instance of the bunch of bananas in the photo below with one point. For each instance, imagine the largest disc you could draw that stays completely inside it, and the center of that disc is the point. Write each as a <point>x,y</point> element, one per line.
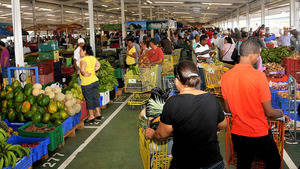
<point>3,135</point>
<point>10,154</point>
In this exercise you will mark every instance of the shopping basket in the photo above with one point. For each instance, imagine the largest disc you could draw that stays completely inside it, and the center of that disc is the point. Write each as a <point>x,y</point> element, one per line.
<point>143,82</point>
<point>155,154</point>
<point>277,128</point>
<point>213,74</point>
<point>139,99</point>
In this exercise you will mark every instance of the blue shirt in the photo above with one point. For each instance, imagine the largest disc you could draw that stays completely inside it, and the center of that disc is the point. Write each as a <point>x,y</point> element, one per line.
<point>157,37</point>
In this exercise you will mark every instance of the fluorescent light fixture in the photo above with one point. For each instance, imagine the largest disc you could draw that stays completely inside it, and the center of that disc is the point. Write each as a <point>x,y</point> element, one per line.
<point>149,2</point>
<point>112,9</point>
<point>187,17</point>
<point>27,13</point>
<point>6,5</point>
<point>168,2</point>
<point>181,12</point>
<point>104,6</point>
<point>145,3</point>
<point>224,4</point>
<point>136,14</point>
<point>209,13</point>
<point>50,15</point>
<point>45,9</point>
<point>28,18</point>
<point>51,19</point>
<point>70,12</point>
<point>24,6</point>
<point>146,6</point>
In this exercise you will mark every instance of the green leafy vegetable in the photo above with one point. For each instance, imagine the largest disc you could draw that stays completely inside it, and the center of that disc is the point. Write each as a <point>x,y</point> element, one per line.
<point>106,75</point>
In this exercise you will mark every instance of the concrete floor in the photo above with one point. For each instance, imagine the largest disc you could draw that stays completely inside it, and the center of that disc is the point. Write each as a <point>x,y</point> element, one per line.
<point>116,146</point>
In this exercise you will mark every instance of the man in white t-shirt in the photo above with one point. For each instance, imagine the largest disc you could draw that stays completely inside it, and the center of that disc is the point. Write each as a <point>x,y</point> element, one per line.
<point>216,40</point>
<point>202,53</point>
<point>80,43</point>
<point>77,57</point>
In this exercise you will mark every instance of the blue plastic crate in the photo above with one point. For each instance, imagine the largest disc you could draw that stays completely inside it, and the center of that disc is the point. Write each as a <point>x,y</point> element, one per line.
<point>67,125</point>
<point>36,152</point>
<point>14,125</point>
<point>24,163</point>
<point>285,104</point>
<point>292,115</point>
<point>5,72</point>
<point>101,101</point>
<point>76,119</point>
<point>116,88</point>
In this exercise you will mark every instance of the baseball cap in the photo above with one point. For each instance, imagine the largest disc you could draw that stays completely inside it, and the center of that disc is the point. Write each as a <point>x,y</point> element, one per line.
<point>80,40</point>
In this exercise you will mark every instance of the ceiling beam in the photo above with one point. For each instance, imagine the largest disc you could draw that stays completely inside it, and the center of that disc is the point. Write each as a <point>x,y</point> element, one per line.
<point>207,1</point>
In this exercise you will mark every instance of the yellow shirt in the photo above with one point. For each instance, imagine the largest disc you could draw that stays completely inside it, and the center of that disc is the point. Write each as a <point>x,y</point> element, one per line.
<point>90,68</point>
<point>130,60</point>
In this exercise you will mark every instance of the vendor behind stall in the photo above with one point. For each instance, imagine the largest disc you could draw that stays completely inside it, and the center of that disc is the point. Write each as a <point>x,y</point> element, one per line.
<point>77,57</point>
<point>4,60</point>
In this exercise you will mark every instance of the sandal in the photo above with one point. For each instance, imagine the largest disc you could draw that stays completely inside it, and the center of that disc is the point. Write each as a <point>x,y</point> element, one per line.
<point>89,121</point>
<point>99,118</point>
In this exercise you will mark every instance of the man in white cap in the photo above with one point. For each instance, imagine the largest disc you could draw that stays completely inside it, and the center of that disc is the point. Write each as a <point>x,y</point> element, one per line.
<point>80,43</point>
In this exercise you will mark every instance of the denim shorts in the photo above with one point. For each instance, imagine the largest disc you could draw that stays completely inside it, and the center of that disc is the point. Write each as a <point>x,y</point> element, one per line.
<point>90,93</point>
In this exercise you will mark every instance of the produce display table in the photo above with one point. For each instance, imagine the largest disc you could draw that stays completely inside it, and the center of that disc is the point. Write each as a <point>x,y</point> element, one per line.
<point>283,79</point>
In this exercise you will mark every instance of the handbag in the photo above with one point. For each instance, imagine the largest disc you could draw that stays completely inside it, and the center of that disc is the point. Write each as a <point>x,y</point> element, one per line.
<point>235,56</point>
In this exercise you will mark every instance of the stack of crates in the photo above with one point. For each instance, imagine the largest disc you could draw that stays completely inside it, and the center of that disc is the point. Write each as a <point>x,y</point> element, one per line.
<point>48,53</point>
<point>292,67</point>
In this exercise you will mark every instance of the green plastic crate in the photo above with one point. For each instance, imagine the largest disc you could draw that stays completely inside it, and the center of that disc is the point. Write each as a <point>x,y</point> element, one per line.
<point>56,135</point>
<point>48,55</point>
<point>47,47</point>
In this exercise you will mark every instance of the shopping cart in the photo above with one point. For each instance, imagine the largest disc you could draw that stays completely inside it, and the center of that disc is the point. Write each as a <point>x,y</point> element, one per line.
<point>155,154</point>
<point>213,74</point>
<point>277,128</point>
<point>142,83</point>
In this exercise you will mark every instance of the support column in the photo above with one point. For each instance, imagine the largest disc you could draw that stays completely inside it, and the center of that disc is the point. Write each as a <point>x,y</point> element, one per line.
<point>151,17</point>
<point>232,21</point>
<point>33,13</point>
<point>292,13</point>
<point>62,13</point>
<point>91,23</point>
<point>97,17</point>
<point>17,28</point>
<point>238,17</point>
<point>140,9</point>
<point>248,16</point>
<point>82,16</point>
<point>123,22</point>
<point>263,15</point>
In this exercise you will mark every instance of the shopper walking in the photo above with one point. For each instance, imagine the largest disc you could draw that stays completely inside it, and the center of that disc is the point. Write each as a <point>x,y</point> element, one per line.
<point>156,56</point>
<point>131,53</point>
<point>202,54</point>
<point>227,51</point>
<point>4,60</point>
<point>193,118</point>
<point>247,96</point>
<point>89,83</point>
<point>166,45</point>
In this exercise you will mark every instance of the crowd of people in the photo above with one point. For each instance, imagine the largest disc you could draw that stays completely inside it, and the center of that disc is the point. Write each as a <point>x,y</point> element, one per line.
<point>194,117</point>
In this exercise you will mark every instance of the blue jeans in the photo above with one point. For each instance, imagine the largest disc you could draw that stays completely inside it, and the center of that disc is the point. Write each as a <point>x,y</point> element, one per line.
<point>202,76</point>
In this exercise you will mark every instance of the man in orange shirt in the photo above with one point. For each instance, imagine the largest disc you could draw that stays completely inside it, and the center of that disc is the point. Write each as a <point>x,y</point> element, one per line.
<point>247,96</point>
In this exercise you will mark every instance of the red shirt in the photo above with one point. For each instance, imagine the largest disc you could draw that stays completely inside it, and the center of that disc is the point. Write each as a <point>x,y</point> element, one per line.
<point>245,89</point>
<point>155,55</point>
<point>210,34</point>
